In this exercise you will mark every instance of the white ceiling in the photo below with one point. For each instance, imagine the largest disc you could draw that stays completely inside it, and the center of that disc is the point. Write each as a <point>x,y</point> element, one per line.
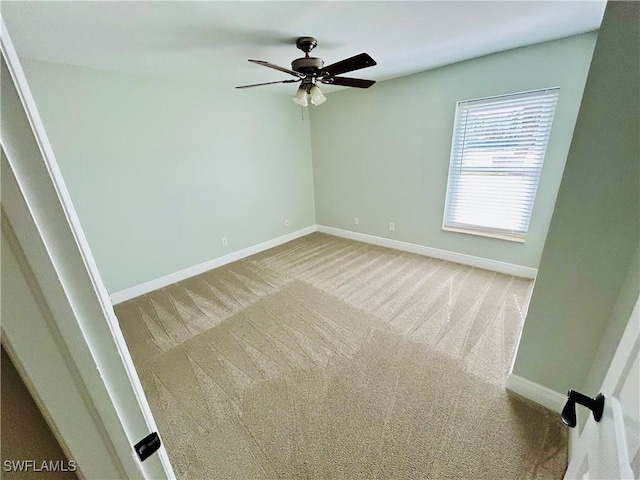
<point>213,40</point>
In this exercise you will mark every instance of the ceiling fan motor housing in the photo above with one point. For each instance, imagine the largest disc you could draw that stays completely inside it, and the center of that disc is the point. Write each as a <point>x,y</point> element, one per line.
<point>307,65</point>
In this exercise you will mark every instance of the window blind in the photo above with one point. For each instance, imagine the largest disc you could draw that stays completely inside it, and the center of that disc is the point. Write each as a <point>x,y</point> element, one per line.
<point>497,152</point>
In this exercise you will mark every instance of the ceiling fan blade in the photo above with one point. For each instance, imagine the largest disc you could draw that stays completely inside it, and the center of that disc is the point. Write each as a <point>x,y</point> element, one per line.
<point>276,67</point>
<point>267,83</point>
<point>350,64</point>
<point>349,82</point>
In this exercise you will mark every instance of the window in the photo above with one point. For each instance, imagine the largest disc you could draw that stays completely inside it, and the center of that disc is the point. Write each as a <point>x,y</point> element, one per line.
<point>497,151</point>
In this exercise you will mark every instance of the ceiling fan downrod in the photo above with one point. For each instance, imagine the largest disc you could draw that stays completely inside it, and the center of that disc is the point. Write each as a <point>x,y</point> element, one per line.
<point>309,66</point>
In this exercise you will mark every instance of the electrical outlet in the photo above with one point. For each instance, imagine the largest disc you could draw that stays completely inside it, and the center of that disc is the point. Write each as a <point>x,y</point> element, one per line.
<point>225,242</point>
<point>392,227</point>
<point>286,222</point>
<point>356,220</point>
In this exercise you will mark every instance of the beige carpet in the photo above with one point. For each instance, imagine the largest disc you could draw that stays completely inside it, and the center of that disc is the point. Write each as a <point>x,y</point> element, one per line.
<point>327,358</point>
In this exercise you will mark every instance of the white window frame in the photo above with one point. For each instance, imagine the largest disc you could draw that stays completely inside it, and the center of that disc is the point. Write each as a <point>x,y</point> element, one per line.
<point>456,159</point>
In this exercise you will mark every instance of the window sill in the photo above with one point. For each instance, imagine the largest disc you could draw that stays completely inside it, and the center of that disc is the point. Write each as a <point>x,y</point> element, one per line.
<point>486,233</point>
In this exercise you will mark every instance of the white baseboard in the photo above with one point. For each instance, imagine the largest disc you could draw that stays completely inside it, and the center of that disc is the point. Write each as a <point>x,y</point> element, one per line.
<point>496,266</point>
<point>502,267</point>
<point>150,286</point>
<point>548,398</point>
<point>535,392</point>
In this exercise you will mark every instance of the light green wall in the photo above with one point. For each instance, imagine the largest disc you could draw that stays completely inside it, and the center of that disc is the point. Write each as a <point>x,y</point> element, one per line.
<point>594,233</point>
<point>629,292</point>
<point>159,171</point>
<point>382,154</point>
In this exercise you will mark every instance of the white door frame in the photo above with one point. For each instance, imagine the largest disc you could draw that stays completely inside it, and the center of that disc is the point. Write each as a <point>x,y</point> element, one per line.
<point>70,349</point>
<point>592,443</point>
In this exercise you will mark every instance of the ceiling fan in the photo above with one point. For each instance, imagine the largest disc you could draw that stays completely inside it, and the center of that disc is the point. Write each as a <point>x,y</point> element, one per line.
<point>311,70</point>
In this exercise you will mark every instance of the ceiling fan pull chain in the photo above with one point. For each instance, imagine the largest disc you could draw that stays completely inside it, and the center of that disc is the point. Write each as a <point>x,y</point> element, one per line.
<point>301,113</point>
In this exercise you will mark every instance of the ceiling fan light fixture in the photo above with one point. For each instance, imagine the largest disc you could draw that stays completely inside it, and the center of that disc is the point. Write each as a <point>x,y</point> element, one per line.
<point>317,97</point>
<point>301,97</point>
